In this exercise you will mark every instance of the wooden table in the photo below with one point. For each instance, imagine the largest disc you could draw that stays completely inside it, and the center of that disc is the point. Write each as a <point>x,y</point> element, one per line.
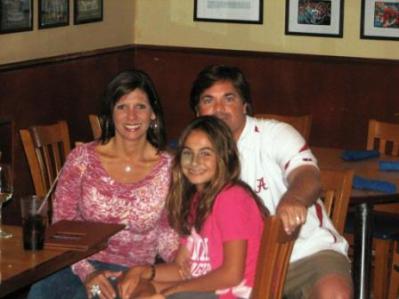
<point>20,268</point>
<point>364,201</point>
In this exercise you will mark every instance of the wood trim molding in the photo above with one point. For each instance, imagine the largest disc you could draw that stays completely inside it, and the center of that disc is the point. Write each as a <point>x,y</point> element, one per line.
<point>258,54</point>
<point>64,58</point>
<point>207,51</point>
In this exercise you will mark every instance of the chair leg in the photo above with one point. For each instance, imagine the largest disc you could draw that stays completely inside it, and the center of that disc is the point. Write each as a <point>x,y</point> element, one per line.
<point>381,267</point>
<point>393,292</point>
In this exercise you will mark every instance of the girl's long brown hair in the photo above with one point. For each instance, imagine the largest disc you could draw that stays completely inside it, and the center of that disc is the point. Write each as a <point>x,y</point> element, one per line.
<point>227,174</point>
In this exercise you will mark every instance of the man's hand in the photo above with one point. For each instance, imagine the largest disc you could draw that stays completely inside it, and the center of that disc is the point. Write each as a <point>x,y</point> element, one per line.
<point>292,212</point>
<point>97,283</point>
<point>303,190</point>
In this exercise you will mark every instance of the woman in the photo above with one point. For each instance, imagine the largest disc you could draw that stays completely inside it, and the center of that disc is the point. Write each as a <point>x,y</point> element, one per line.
<point>122,178</point>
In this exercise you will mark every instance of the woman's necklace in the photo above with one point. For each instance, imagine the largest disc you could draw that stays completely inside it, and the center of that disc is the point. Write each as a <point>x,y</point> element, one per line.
<point>128,168</point>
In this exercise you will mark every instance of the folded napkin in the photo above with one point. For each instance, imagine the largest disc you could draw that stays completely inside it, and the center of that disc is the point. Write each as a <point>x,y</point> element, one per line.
<point>388,165</point>
<point>367,184</point>
<point>359,155</point>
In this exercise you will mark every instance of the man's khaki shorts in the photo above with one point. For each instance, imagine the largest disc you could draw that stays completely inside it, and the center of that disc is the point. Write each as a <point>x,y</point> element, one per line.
<point>304,273</point>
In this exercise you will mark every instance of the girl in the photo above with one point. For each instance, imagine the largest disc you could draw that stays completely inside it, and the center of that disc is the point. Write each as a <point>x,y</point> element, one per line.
<point>219,218</point>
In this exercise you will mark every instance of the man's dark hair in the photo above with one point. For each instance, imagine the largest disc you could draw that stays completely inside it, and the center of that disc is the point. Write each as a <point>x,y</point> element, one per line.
<point>216,73</point>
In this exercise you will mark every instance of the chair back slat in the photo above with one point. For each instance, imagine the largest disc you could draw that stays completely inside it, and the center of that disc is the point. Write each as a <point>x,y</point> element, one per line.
<point>328,200</point>
<point>46,148</point>
<point>336,188</point>
<point>95,125</point>
<point>273,260</point>
<point>34,164</point>
<point>302,123</point>
<point>395,148</point>
<point>385,135</point>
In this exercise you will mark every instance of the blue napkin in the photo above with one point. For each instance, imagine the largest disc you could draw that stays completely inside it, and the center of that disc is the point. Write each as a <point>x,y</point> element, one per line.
<point>359,155</point>
<point>172,143</point>
<point>388,165</point>
<point>367,184</point>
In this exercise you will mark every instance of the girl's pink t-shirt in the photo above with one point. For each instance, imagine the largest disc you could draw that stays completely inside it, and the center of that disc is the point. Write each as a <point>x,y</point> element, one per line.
<point>235,216</point>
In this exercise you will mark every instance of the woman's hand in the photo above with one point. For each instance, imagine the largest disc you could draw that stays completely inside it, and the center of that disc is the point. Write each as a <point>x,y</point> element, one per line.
<point>97,283</point>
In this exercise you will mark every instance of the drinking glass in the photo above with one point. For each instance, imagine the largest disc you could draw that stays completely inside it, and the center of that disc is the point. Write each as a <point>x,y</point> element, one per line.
<point>6,191</point>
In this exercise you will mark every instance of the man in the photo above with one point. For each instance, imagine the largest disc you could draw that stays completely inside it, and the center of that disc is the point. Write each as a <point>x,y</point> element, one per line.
<point>277,163</point>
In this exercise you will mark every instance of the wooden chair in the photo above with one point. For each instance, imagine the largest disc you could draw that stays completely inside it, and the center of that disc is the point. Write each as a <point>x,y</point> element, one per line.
<point>336,188</point>
<point>393,291</point>
<point>273,260</point>
<point>303,123</point>
<point>384,137</point>
<point>46,148</point>
<point>95,125</point>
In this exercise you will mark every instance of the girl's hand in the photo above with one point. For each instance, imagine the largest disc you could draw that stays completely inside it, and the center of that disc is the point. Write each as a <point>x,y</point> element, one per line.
<point>170,290</point>
<point>130,281</point>
<point>97,283</point>
<point>185,269</point>
<point>184,262</point>
<point>156,296</point>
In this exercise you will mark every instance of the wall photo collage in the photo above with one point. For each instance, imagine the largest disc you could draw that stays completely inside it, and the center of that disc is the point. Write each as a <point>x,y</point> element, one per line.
<point>379,18</point>
<point>17,15</point>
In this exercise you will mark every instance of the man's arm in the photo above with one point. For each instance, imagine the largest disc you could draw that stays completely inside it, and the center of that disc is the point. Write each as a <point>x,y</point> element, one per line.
<point>303,190</point>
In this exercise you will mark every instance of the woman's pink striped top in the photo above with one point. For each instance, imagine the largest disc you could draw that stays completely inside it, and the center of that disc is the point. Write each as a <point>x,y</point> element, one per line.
<point>86,192</point>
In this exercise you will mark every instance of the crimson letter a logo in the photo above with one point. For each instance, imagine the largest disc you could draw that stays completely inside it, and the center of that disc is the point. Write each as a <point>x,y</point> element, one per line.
<point>261,185</point>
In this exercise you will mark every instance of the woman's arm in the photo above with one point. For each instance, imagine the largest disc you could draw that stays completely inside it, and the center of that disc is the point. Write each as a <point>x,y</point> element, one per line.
<point>68,191</point>
<point>228,275</point>
<point>167,240</point>
<point>67,196</point>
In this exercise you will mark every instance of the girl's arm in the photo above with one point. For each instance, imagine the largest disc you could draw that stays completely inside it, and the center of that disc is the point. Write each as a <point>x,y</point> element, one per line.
<point>168,272</point>
<point>228,275</point>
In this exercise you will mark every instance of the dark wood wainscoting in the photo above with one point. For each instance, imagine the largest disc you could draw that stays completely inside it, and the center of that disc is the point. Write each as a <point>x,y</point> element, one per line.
<point>44,91</point>
<point>340,93</point>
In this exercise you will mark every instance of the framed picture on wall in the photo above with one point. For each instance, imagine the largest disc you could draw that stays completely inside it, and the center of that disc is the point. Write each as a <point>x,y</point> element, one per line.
<point>380,19</point>
<point>237,11</point>
<point>53,13</point>
<point>87,11</point>
<point>314,17</point>
<point>16,16</point>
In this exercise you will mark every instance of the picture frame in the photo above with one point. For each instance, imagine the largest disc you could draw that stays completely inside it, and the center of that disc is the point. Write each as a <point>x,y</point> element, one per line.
<point>237,11</point>
<point>53,13</point>
<point>88,11</point>
<point>380,19</point>
<point>314,17</point>
<point>16,16</point>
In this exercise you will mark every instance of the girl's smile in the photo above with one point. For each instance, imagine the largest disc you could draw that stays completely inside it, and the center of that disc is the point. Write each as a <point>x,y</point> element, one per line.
<point>198,159</point>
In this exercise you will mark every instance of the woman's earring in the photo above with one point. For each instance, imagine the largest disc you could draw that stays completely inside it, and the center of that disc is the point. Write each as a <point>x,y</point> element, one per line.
<point>154,124</point>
